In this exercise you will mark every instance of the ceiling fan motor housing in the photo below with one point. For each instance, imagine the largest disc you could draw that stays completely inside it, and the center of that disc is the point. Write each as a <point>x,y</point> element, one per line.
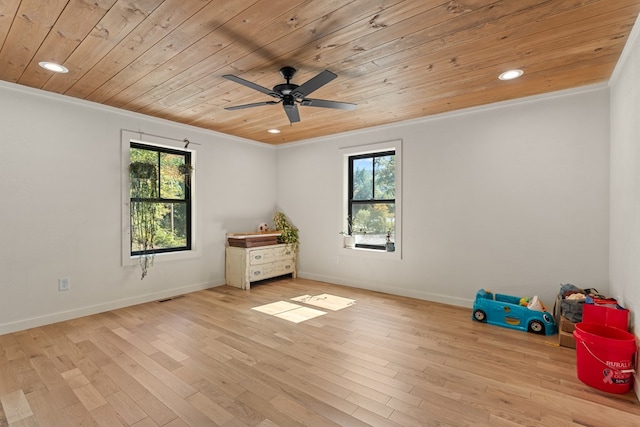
<point>287,73</point>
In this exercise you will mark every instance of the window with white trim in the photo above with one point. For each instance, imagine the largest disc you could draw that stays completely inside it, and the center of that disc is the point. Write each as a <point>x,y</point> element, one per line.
<point>372,197</point>
<point>172,244</point>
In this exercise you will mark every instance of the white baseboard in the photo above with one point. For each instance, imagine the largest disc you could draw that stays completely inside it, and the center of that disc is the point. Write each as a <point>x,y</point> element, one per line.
<point>61,316</point>
<point>444,299</point>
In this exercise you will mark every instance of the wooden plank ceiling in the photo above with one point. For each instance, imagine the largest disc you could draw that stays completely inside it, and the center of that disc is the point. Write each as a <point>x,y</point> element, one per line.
<point>396,59</point>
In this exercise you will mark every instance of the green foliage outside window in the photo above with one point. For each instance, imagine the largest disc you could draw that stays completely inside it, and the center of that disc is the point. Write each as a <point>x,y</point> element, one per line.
<point>160,214</point>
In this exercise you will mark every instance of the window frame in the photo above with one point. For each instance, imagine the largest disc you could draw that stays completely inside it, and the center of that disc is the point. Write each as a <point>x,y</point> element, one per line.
<point>364,149</point>
<point>128,260</point>
<point>161,200</point>
<point>352,201</point>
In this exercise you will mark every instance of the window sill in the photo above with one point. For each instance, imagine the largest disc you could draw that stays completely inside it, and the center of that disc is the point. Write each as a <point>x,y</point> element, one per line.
<point>371,253</point>
<point>163,257</point>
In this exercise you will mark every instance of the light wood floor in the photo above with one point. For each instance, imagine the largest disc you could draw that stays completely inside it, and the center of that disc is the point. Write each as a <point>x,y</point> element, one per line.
<point>208,359</point>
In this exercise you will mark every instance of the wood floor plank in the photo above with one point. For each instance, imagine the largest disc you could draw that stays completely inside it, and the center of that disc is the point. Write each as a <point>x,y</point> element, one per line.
<point>373,419</point>
<point>369,404</point>
<point>126,408</point>
<point>125,381</point>
<point>242,412</point>
<point>78,415</point>
<point>106,416</point>
<point>147,422</point>
<point>45,409</point>
<point>157,412</point>
<point>215,412</point>
<point>207,358</point>
<point>300,412</point>
<point>89,396</point>
<point>148,366</point>
<point>15,406</point>
<point>266,408</point>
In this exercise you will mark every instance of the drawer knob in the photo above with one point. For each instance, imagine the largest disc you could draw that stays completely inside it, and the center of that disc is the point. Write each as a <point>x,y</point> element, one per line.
<point>256,273</point>
<point>258,256</point>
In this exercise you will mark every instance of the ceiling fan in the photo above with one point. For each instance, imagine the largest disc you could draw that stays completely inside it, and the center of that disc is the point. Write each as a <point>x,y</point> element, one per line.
<point>291,94</point>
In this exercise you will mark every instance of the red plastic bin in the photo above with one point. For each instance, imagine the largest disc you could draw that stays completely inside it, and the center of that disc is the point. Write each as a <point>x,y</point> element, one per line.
<point>604,357</point>
<point>609,316</point>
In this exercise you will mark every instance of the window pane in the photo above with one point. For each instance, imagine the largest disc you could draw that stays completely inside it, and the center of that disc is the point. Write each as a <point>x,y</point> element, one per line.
<point>385,177</point>
<point>141,228</point>
<point>169,231</point>
<point>363,179</point>
<point>143,171</point>
<point>172,226</point>
<point>141,155</point>
<point>372,222</point>
<point>172,182</point>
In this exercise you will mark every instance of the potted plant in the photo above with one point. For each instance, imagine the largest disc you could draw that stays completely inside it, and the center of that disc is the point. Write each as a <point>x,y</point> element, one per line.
<point>349,238</point>
<point>186,169</point>
<point>289,233</point>
<point>389,245</point>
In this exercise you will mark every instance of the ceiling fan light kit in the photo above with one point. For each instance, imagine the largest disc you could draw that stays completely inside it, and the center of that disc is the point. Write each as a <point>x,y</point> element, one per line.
<point>290,94</point>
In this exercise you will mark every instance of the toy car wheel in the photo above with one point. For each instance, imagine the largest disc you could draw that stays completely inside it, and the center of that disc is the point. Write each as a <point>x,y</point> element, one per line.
<point>480,315</point>
<point>536,327</point>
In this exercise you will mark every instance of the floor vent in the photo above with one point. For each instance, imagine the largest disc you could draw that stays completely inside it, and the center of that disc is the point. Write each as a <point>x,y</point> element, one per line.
<point>170,299</point>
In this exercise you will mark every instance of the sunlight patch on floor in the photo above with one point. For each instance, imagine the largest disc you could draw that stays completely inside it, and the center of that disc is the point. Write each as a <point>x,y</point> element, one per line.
<point>326,301</point>
<point>300,314</point>
<point>276,307</point>
<point>296,313</point>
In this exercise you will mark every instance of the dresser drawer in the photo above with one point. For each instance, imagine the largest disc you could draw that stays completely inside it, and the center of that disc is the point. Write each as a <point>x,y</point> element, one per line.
<point>265,271</point>
<point>261,256</point>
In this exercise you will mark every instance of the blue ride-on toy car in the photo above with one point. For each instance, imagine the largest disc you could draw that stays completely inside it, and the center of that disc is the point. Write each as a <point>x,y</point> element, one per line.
<point>506,311</point>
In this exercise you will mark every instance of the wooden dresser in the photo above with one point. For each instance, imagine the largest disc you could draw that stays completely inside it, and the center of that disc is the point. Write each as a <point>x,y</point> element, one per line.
<point>246,265</point>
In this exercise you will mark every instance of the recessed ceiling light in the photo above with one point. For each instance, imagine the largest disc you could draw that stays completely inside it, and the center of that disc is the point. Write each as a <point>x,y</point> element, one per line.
<point>274,131</point>
<point>511,74</point>
<point>52,66</point>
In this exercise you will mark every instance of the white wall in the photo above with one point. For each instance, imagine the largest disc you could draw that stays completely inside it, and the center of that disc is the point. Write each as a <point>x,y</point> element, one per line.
<point>60,212</point>
<point>625,177</point>
<point>512,198</point>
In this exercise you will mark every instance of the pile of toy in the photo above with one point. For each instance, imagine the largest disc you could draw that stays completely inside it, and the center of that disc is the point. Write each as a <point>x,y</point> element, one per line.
<point>533,303</point>
<point>572,300</point>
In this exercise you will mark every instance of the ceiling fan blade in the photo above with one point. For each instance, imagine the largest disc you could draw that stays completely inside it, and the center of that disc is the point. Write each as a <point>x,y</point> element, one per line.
<point>313,84</point>
<point>255,104</point>
<point>251,85</point>
<point>309,102</point>
<point>292,113</point>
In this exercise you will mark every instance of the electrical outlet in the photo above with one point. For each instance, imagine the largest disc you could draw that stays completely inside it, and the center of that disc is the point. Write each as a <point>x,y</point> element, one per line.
<point>64,283</point>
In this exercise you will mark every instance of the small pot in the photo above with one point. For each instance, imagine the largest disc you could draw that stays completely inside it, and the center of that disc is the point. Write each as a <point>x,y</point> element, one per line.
<point>349,242</point>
